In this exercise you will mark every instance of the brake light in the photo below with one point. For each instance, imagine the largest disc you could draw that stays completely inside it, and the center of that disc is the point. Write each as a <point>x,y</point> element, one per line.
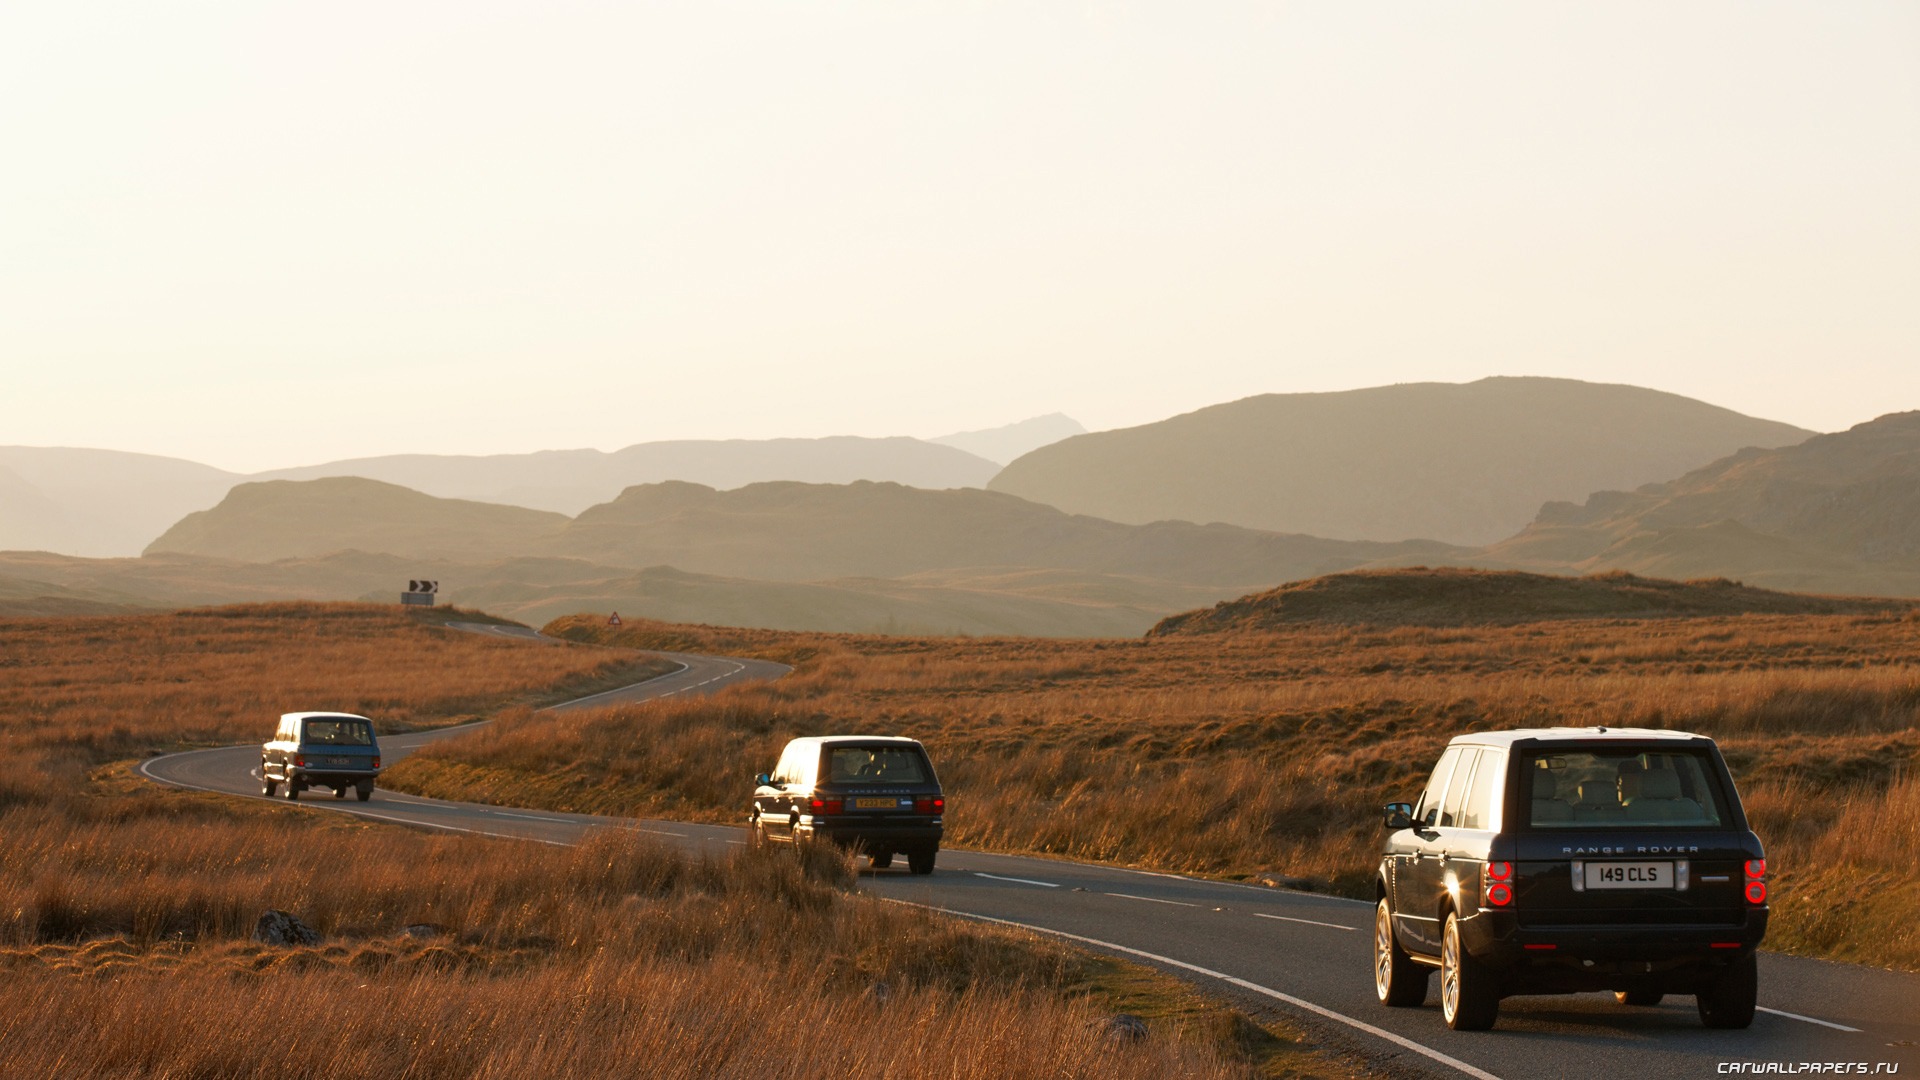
<point>299,763</point>
<point>1756,868</point>
<point>825,806</point>
<point>1540,948</point>
<point>1756,881</point>
<point>376,761</point>
<point>929,804</point>
<point>1497,885</point>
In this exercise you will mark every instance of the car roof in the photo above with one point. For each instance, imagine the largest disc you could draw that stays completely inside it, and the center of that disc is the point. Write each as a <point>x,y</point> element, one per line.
<point>329,715</point>
<point>1574,734</point>
<point>826,740</point>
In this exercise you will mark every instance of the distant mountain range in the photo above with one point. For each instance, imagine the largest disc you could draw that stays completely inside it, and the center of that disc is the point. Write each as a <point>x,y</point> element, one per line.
<point>569,481</point>
<point>1462,463</point>
<point>1835,513</point>
<point>1003,444</point>
<point>98,502</point>
<point>104,503</point>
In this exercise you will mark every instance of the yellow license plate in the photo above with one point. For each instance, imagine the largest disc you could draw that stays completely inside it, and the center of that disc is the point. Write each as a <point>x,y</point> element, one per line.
<point>875,804</point>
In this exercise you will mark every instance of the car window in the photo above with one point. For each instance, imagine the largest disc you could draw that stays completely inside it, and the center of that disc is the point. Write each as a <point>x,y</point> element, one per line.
<point>1623,788</point>
<point>340,732</point>
<point>1481,806</point>
<point>783,772</point>
<point>1427,810</point>
<point>1457,787</point>
<point>876,765</point>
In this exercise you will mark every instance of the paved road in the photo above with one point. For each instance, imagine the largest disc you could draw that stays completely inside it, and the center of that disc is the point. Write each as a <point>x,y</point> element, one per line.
<point>1306,955</point>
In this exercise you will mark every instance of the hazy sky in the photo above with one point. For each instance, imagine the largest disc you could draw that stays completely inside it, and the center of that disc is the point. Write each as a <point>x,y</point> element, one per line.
<point>260,234</point>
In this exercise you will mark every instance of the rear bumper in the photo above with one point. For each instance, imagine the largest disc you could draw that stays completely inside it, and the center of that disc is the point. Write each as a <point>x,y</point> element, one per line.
<point>1674,958</point>
<point>331,777</point>
<point>902,834</point>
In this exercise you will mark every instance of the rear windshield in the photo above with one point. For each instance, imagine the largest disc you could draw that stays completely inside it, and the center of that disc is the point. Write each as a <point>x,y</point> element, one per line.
<point>340,732</point>
<point>1586,789</point>
<point>877,765</point>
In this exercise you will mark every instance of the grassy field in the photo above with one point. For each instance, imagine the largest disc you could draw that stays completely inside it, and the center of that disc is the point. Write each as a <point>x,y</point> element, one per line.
<point>126,909</point>
<point>1266,755</point>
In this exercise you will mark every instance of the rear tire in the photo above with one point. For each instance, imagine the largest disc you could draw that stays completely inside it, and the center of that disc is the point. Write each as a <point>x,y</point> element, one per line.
<point>1397,980</point>
<point>339,793</point>
<point>1469,1000</point>
<point>1731,1001</point>
<point>756,834</point>
<point>880,860</point>
<point>268,787</point>
<point>363,790</point>
<point>920,861</point>
<point>1646,999</point>
<point>293,789</point>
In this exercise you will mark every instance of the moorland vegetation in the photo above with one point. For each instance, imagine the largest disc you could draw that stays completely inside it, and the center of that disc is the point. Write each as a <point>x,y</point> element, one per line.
<point>126,909</point>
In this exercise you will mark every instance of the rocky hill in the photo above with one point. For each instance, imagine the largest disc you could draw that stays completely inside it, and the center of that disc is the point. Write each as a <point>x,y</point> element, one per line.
<point>1462,463</point>
<point>1836,513</point>
<point>285,519</point>
<point>1454,597</point>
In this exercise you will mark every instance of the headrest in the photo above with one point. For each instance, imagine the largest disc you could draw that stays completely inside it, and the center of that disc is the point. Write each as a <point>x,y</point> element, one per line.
<point>1544,785</point>
<point>1658,784</point>
<point>1595,793</point>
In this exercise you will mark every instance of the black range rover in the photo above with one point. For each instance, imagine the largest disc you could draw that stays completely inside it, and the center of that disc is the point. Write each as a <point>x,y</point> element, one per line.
<point>874,793</point>
<point>1562,860</point>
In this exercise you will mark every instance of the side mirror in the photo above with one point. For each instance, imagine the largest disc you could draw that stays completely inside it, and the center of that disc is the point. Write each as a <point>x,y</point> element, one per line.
<point>762,780</point>
<point>1399,815</point>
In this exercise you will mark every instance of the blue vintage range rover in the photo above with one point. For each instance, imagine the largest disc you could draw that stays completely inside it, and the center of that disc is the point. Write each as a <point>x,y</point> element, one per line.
<point>321,749</point>
<point>1560,860</point>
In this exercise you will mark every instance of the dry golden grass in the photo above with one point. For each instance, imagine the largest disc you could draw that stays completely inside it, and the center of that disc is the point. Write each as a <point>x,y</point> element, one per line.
<point>1243,755</point>
<point>126,908</point>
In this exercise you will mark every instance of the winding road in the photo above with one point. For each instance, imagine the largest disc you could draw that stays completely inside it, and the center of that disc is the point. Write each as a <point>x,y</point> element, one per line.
<point>1304,955</point>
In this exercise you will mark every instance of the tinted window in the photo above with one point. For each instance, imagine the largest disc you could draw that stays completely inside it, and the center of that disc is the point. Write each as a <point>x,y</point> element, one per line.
<point>1457,788</point>
<point>876,765</point>
<point>1427,811</point>
<point>1626,788</point>
<point>340,732</point>
<point>1479,811</point>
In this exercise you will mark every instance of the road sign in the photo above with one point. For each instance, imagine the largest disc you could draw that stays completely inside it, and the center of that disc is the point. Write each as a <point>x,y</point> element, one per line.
<point>420,592</point>
<point>424,586</point>
<point>613,619</point>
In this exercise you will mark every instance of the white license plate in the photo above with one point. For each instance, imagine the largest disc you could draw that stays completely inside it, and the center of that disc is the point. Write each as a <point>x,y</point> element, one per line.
<point>1629,875</point>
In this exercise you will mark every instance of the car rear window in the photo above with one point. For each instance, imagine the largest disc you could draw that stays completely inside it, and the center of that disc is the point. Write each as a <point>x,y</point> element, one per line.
<point>1587,789</point>
<point>340,732</point>
<point>877,765</point>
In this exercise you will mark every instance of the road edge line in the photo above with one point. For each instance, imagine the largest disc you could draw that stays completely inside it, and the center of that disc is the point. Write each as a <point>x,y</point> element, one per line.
<point>1320,1010</point>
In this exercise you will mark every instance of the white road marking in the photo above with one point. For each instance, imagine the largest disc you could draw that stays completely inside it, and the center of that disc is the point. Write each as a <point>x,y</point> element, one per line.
<point>1021,880</point>
<point>657,832</point>
<point>1309,922</point>
<point>1150,899</point>
<point>1319,1010</point>
<point>1806,1019</point>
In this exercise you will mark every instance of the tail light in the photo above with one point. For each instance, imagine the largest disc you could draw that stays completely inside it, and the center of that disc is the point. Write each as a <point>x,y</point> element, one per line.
<point>825,806</point>
<point>299,762</point>
<point>1756,881</point>
<point>929,804</point>
<point>1497,885</point>
<point>376,761</point>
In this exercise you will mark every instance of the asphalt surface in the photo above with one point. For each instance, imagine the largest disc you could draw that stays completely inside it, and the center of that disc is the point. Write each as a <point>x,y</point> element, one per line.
<point>1307,956</point>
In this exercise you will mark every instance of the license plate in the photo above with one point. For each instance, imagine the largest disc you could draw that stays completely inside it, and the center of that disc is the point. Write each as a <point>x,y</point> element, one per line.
<point>336,761</point>
<point>877,803</point>
<point>1629,875</point>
